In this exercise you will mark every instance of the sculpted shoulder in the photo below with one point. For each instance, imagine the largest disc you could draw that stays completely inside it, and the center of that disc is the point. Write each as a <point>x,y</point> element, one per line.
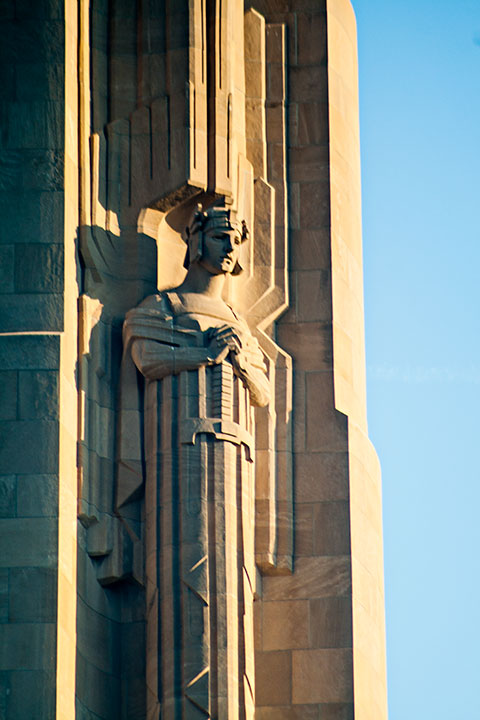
<point>158,301</point>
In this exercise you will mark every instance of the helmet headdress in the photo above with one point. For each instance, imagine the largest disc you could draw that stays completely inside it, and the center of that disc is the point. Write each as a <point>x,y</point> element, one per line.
<point>218,216</point>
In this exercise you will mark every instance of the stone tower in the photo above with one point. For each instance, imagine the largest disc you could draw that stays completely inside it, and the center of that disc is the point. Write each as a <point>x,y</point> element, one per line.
<point>118,118</point>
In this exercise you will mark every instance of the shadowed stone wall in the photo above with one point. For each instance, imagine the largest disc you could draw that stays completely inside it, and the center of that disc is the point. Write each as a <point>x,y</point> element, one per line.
<point>32,111</point>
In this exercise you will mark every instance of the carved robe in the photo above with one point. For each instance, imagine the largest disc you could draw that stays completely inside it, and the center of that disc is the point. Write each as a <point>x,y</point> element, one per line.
<point>199,510</point>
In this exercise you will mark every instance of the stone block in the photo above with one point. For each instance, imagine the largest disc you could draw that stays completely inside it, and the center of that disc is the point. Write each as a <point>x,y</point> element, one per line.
<point>33,594</point>
<point>98,639</point>
<point>20,313</point>
<point>6,268</point>
<point>312,578</point>
<point>29,352</point>
<point>310,344</point>
<point>294,206</point>
<point>293,712</point>
<point>312,123</point>
<point>285,625</point>
<point>326,427</point>
<point>331,622</point>
<point>27,646</point>
<point>31,169</point>
<point>273,678</point>
<point>38,396</point>
<point>8,395</point>
<point>8,496</point>
<point>34,124</point>
<point>299,410</point>
<point>37,495</point>
<point>33,41</point>
<point>312,38</point>
<point>309,163</point>
<point>38,268</point>
<point>303,530</point>
<point>314,296</point>
<point>7,10</point>
<point>322,676</point>
<point>321,477</point>
<point>310,249</point>
<point>133,641</point>
<point>7,81</point>
<point>3,597</point>
<point>337,711</point>
<point>29,446</point>
<point>332,528</point>
<point>29,216</point>
<point>4,693</point>
<point>98,691</point>
<point>28,542</point>
<point>314,204</point>
<point>31,694</point>
<point>41,9</point>
<point>308,84</point>
<point>37,81</point>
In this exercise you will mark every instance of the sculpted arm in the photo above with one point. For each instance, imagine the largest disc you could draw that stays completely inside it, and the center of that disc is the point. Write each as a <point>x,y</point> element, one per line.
<point>156,360</point>
<point>255,379</point>
<point>247,360</point>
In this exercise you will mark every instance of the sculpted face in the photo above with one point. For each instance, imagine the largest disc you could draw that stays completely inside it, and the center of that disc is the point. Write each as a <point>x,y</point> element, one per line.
<point>221,249</point>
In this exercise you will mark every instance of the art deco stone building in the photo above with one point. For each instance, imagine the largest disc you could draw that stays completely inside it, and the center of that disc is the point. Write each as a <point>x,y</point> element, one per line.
<point>168,550</point>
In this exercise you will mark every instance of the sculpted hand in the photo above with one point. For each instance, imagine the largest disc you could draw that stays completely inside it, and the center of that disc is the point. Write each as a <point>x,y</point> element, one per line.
<point>224,340</point>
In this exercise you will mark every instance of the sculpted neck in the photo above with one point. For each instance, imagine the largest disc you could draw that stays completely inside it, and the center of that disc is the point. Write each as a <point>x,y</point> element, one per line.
<point>202,281</point>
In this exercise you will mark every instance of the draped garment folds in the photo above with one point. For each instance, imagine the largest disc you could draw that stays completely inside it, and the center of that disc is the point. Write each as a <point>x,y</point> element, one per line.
<point>189,441</point>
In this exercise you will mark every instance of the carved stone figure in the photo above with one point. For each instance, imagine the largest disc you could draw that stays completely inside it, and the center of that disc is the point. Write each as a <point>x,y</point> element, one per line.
<point>204,372</point>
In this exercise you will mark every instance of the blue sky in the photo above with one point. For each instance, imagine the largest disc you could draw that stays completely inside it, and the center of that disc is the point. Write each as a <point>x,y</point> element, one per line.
<point>419,76</point>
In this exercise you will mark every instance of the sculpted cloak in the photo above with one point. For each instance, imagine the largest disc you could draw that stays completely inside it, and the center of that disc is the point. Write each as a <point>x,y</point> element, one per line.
<point>190,434</point>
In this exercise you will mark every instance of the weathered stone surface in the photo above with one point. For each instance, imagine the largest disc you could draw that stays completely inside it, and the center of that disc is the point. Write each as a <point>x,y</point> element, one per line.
<point>322,676</point>
<point>28,542</point>
<point>38,395</point>
<point>33,124</point>
<point>321,476</point>
<point>99,690</point>
<point>27,646</point>
<point>331,622</point>
<point>3,596</point>
<point>28,216</point>
<point>20,313</point>
<point>101,646</point>
<point>292,712</point>
<point>8,496</point>
<point>29,446</point>
<point>313,577</point>
<point>32,595</point>
<point>29,352</point>
<point>31,169</point>
<point>31,693</point>
<point>337,711</point>
<point>38,268</point>
<point>6,268</point>
<point>285,625</point>
<point>332,528</point>
<point>273,678</point>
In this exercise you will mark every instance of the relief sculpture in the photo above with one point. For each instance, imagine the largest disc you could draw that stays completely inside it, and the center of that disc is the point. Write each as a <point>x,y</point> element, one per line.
<point>204,373</point>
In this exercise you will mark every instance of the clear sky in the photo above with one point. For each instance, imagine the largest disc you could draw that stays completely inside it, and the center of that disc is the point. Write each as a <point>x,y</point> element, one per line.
<point>419,75</point>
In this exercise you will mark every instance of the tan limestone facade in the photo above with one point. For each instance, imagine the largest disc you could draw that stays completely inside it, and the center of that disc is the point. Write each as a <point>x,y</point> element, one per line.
<point>190,505</point>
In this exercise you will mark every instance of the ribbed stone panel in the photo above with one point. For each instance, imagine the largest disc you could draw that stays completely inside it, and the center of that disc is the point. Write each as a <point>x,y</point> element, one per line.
<point>200,570</point>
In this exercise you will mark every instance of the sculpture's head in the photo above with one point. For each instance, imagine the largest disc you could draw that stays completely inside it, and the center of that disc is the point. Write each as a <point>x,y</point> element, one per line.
<point>214,237</point>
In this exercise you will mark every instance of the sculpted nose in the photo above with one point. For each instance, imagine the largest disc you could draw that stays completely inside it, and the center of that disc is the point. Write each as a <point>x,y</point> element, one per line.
<point>228,244</point>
